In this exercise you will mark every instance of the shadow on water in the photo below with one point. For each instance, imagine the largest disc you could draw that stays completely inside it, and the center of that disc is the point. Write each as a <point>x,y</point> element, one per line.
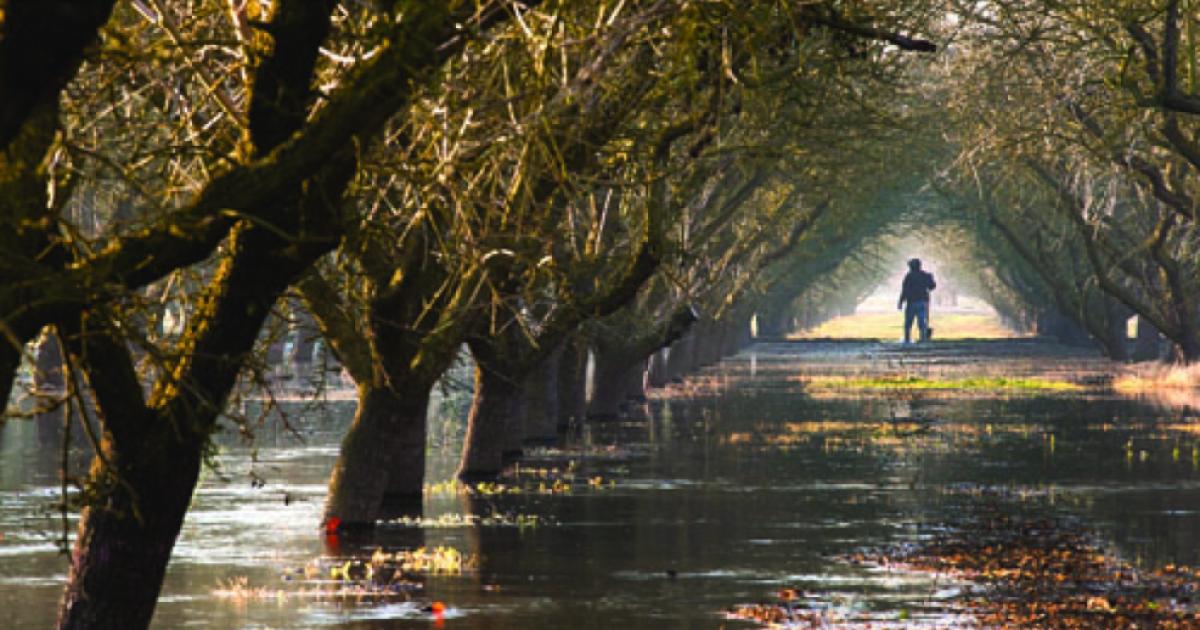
<point>718,491</point>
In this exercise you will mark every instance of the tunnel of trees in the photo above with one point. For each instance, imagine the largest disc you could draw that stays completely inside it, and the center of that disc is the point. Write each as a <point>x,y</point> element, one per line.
<point>184,183</point>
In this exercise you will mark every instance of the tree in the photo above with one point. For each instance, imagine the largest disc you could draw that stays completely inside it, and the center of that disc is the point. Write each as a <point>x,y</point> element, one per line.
<point>274,208</point>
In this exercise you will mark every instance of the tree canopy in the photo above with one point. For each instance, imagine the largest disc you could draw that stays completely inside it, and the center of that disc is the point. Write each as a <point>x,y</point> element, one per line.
<point>535,179</point>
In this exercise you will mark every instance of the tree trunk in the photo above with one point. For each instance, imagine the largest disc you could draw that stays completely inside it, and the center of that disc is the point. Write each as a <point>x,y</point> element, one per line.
<point>572,385</point>
<point>126,534</point>
<point>635,381</point>
<point>1066,331</point>
<point>1115,349</point>
<point>1147,346</point>
<point>707,344</point>
<point>774,323</point>
<point>735,336</point>
<point>812,316</point>
<point>122,549</point>
<point>656,371</point>
<point>1187,351</point>
<point>610,383</point>
<point>497,397</point>
<point>10,361</point>
<point>714,346</point>
<point>805,318</point>
<point>1114,327</point>
<point>679,357</point>
<point>742,335</point>
<point>514,420</point>
<point>1187,341</point>
<point>541,392</point>
<point>381,467</point>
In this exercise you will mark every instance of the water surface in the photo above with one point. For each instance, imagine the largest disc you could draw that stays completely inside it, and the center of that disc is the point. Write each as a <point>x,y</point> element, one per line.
<point>719,491</point>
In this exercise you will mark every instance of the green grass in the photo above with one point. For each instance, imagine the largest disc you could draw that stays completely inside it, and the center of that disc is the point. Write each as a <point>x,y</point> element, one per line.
<point>977,383</point>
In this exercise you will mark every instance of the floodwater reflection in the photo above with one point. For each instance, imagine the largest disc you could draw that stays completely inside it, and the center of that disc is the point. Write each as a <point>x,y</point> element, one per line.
<point>729,487</point>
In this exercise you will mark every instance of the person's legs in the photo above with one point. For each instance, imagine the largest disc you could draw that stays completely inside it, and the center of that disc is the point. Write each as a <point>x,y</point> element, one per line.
<point>922,309</point>
<point>909,313</point>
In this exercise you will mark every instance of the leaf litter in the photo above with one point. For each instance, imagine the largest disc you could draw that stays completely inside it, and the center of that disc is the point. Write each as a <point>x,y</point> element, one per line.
<point>1017,571</point>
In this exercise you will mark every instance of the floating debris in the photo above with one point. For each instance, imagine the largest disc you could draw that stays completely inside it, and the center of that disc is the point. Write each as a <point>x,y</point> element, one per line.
<point>539,481</point>
<point>779,614</point>
<point>456,520</point>
<point>239,589</point>
<point>791,607</point>
<point>384,575</point>
<point>436,561</point>
<point>1047,573</point>
<point>591,453</point>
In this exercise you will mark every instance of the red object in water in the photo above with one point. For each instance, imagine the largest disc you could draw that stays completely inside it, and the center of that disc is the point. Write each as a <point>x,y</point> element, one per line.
<point>437,608</point>
<point>332,524</point>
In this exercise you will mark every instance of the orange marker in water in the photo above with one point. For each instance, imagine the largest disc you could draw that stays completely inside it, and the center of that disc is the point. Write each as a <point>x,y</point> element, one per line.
<point>333,544</point>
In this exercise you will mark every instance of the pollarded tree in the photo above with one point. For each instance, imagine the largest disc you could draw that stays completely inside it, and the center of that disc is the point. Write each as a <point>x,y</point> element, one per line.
<point>273,206</point>
<point>1089,100</point>
<point>466,208</point>
<point>758,48</point>
<point>789,97</point>
<point>1023,214</point>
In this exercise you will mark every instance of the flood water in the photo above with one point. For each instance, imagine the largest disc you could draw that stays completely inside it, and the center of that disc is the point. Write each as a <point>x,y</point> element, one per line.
<point>719,491</point>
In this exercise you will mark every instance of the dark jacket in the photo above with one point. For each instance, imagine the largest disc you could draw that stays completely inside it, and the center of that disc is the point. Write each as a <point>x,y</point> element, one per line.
<point>917,285</point>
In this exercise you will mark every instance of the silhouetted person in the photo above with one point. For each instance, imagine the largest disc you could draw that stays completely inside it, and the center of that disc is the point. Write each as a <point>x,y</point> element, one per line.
<point>917,285</point>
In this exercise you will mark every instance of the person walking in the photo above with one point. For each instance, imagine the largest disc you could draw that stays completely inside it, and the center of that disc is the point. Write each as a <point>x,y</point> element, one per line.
<point>914,300</point>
